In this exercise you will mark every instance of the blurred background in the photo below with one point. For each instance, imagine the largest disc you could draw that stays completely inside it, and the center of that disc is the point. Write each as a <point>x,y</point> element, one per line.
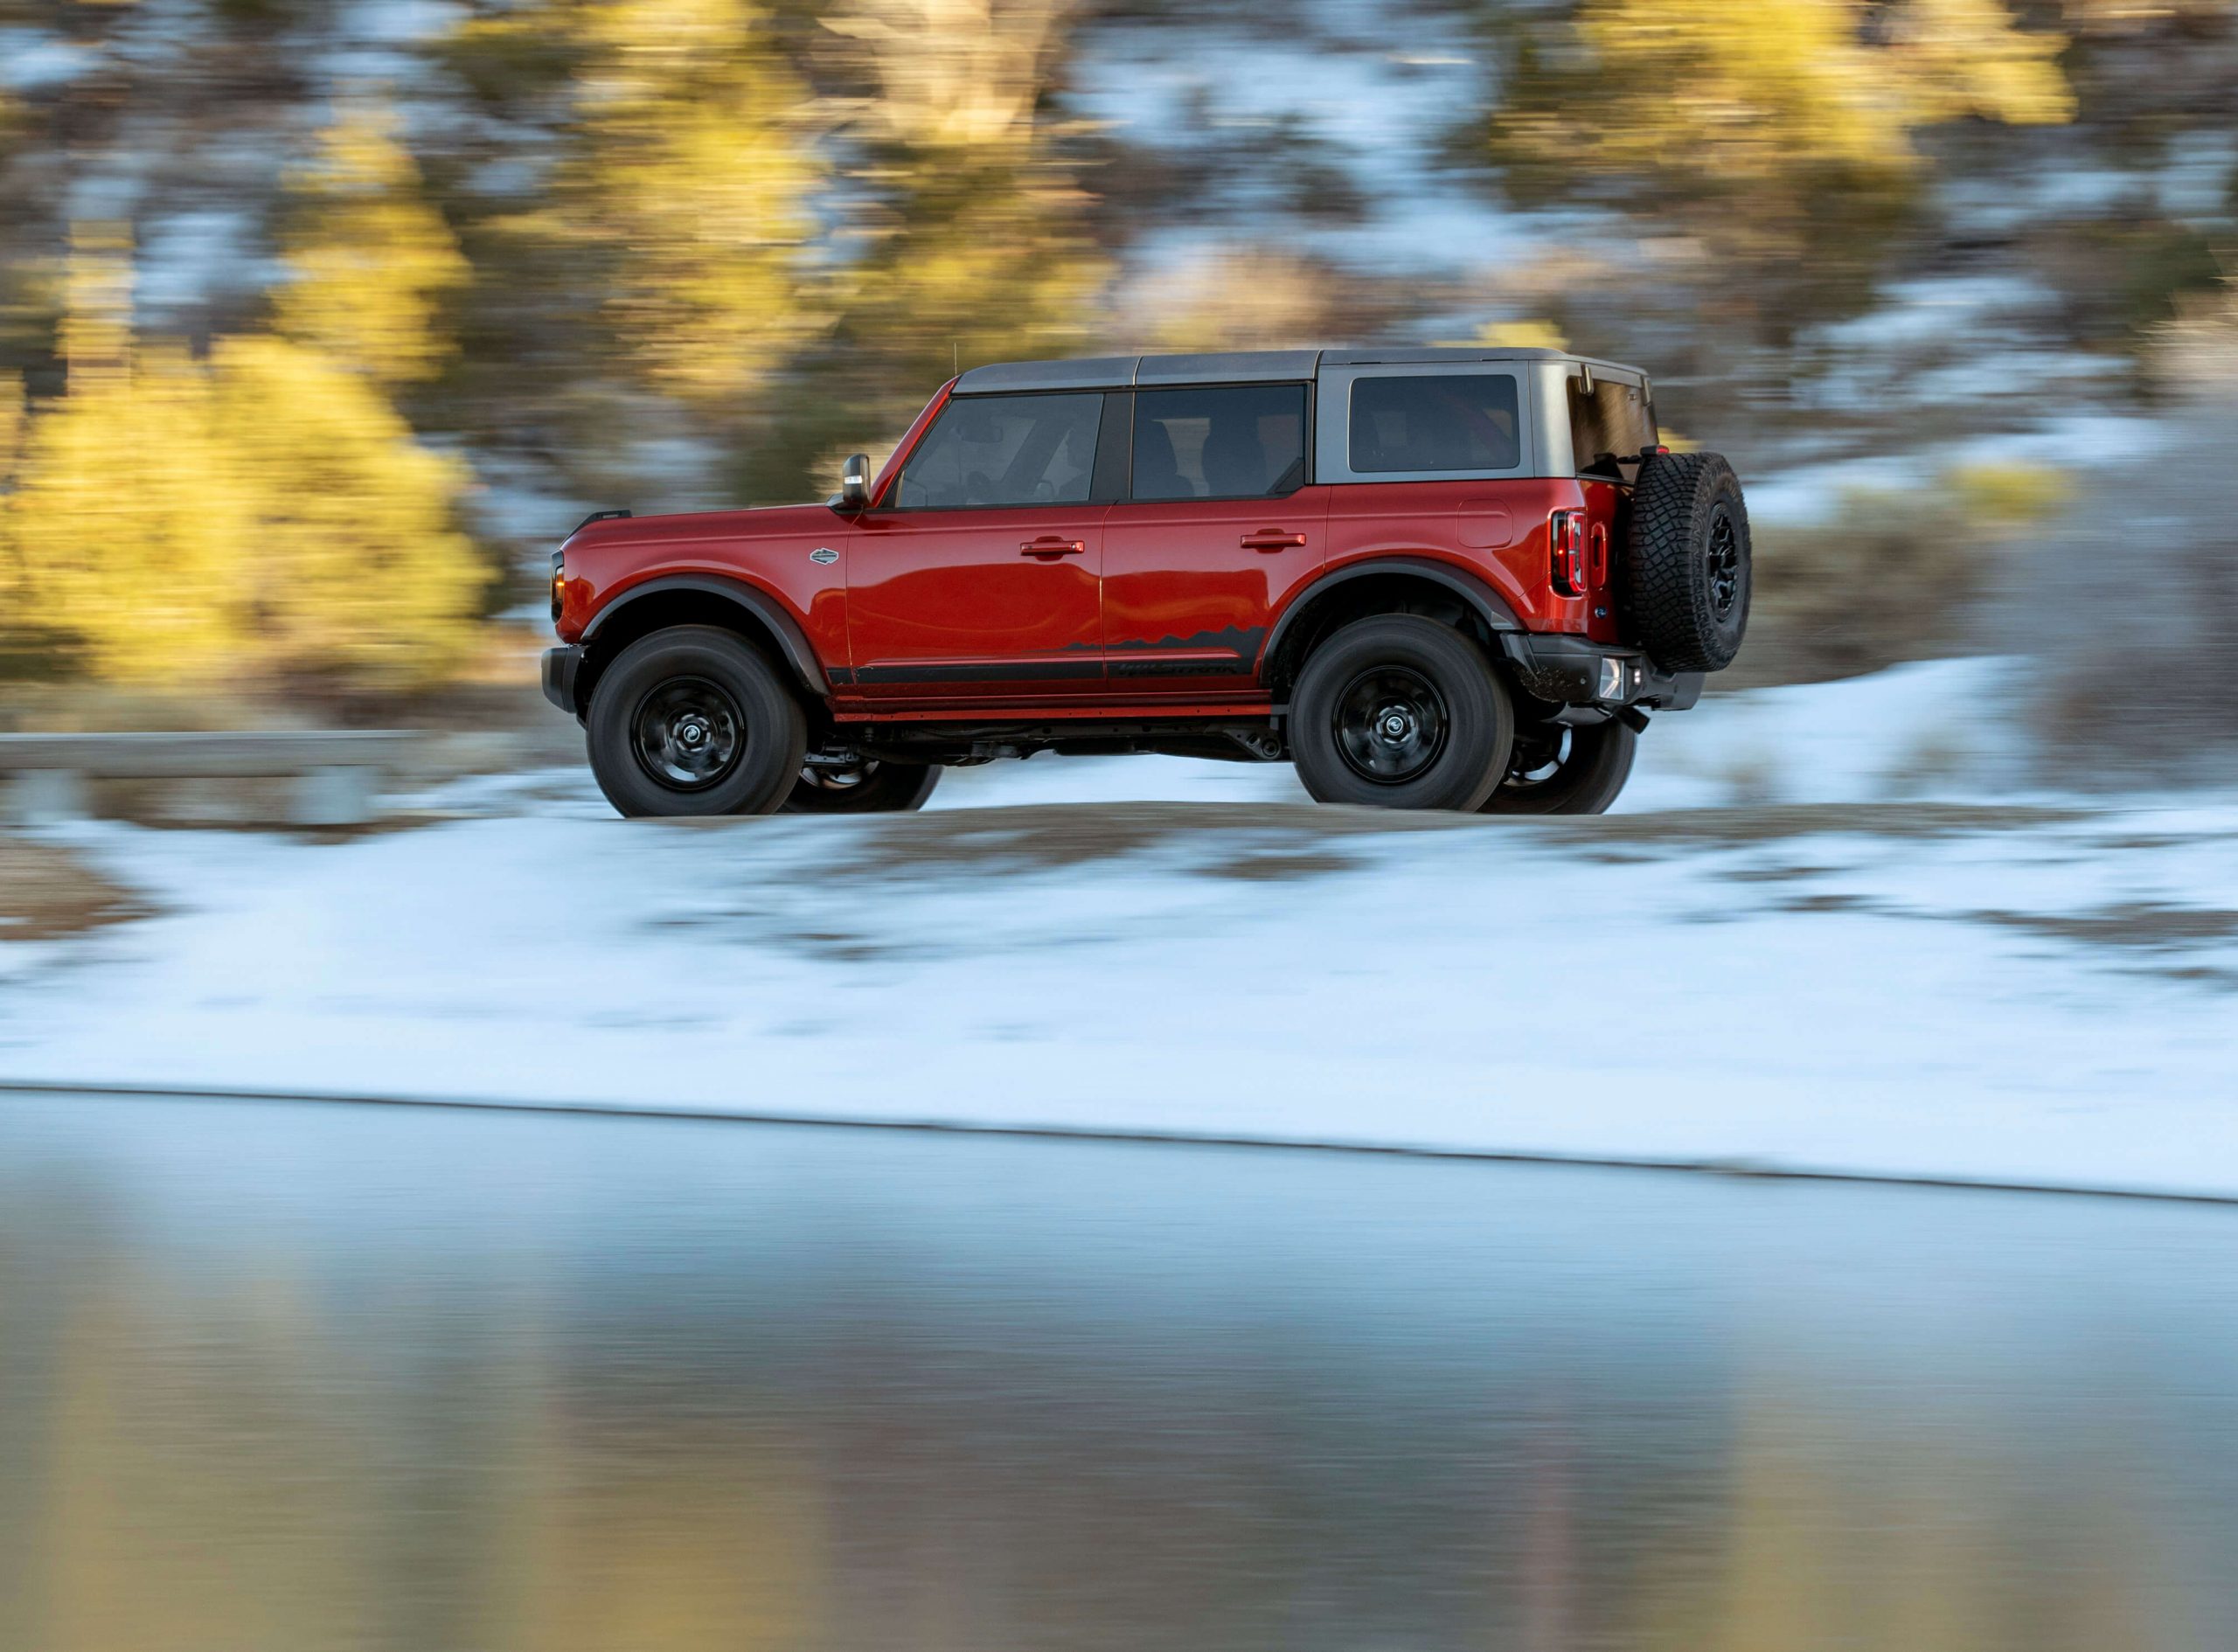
<point>321,322</point>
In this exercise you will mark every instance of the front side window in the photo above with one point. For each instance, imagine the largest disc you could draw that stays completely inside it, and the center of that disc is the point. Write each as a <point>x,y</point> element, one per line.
<point>1004,450</point>
<point>1245,441</point>
<point>1440,421</point>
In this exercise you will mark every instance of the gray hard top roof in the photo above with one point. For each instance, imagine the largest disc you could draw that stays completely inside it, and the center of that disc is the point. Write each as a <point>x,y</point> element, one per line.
<point>1233,367</point>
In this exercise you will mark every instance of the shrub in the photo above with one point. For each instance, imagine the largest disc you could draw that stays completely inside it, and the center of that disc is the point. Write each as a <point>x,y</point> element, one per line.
<point>1890,576</point>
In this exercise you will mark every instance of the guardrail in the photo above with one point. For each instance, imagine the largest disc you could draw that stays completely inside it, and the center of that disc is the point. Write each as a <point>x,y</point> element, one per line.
<point>337,773</point>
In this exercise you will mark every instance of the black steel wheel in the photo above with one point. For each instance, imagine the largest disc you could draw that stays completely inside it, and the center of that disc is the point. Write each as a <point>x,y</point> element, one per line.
<point>869,786</point>
<point>687,733</point>
<point>1389,723</point>
<point>1397,711</point>
<point>694,720</point>
<point>1565,770</point>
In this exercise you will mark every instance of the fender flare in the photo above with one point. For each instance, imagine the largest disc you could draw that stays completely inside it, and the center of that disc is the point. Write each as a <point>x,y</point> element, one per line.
<point>792,641</point>
<point>1488,605</point>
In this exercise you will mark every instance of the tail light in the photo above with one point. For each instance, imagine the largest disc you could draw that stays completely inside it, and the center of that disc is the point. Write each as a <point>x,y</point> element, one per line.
<point>1566,539</point>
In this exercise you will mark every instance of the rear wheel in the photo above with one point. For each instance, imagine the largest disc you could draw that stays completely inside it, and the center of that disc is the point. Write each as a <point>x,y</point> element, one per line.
<point>868,787</point>
<point>1398,712</point>
<point>1565,770</point>
<point>694,720</point>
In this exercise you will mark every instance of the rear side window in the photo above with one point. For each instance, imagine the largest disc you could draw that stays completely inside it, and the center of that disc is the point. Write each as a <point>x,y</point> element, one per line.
<point>1244,441</point>
<point>1443,421</point>
<point>1004,450</point>
<point>1615,419</point>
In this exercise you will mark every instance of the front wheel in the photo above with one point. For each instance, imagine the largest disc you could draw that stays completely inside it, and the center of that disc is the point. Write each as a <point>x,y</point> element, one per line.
<point>1566,771</point>
<point>869,786</point>
<point>1398,712</point>
<point>694,720</point>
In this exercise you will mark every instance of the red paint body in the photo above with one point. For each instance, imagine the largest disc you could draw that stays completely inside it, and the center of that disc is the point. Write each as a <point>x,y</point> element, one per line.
<point>1108,611</point>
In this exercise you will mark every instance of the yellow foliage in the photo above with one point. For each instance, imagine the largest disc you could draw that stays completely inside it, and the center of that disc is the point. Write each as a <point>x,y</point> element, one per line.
<point>1229,298</point>
<point>991,270</point>
<point>266,513</point>
<point>985,256</point>
<point>96,336</point>
<point>11,441</point>
<point>260,514</point>
<point>953,73</point>
<point>372,260</point>
<point>1743,93</point>
<point>2008,495</point>
<point>1524,335</point>
<point>685,185</point>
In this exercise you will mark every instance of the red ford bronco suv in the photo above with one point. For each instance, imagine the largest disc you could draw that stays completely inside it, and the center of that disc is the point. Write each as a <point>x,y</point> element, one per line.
<point>1432,578</point>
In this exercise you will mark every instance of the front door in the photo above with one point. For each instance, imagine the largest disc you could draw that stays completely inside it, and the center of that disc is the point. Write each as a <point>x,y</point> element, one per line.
<point>1215,534</point>
<point>976,580</point>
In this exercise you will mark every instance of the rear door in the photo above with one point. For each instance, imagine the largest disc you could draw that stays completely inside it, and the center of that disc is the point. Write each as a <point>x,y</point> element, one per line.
<point>976,580</point>
<point>1220,525</point>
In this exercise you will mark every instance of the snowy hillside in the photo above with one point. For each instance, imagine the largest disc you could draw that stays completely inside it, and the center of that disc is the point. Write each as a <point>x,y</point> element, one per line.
<point>1814,940</point>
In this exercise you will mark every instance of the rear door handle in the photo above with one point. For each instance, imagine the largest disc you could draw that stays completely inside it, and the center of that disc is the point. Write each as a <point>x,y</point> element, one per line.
<point>1050,545</point>
<point>1272,539</point>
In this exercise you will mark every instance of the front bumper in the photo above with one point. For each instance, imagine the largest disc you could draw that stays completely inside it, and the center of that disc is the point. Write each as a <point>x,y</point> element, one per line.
<point>1575,671</point>
<point>561,667</point>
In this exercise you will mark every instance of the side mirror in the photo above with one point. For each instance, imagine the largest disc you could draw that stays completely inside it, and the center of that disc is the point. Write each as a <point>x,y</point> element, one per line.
<point>855,484</point>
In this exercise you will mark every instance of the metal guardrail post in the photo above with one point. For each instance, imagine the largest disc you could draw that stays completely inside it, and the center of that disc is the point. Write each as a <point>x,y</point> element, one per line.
<point>45,796</point>
<point>335,797</point>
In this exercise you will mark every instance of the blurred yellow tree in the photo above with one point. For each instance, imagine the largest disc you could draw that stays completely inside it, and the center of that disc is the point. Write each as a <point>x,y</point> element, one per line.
<point>261,514</point>
<point>968,241</point>
<point>1781,137</point>
<point>1745,94</point>
<point>675,210</point>
<point>371,260</point>
<point>979,249</point>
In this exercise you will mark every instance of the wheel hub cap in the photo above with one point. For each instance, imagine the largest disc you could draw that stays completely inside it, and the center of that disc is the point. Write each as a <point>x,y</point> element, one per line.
<point>688,734</point>
<point>1390,723</point>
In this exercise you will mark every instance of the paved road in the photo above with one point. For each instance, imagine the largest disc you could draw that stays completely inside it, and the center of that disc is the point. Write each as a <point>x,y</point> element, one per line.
<point>292,1378</point>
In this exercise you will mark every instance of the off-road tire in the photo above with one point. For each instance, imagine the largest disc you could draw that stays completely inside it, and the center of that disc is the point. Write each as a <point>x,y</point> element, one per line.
<point>647,698</point>
<point>1387,662</point>
<point>1585,781</point>
<point>882,789</point>
<point>1686,562</point>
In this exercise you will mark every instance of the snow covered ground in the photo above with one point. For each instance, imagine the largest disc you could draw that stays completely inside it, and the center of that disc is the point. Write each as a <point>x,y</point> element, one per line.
<point>1823,935</point>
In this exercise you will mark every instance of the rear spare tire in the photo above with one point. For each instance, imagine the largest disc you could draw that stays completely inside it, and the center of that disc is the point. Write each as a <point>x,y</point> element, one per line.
<point>1398,712</point>
<point>1686,562</point>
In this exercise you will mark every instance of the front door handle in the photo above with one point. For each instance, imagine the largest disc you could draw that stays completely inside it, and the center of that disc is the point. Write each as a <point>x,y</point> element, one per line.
<point>1050,546</point>
<point>1272,539</point>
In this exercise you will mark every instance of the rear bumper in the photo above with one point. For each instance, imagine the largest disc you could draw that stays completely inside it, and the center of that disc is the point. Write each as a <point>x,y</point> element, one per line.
<point>561,667</point>
<point>1573,670</point>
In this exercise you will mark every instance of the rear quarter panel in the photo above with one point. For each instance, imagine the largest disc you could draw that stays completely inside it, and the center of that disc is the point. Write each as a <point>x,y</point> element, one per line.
<point>1496,530</point>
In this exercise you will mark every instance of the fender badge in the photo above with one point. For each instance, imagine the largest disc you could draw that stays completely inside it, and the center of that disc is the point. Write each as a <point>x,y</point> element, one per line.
<point>825,554</point>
